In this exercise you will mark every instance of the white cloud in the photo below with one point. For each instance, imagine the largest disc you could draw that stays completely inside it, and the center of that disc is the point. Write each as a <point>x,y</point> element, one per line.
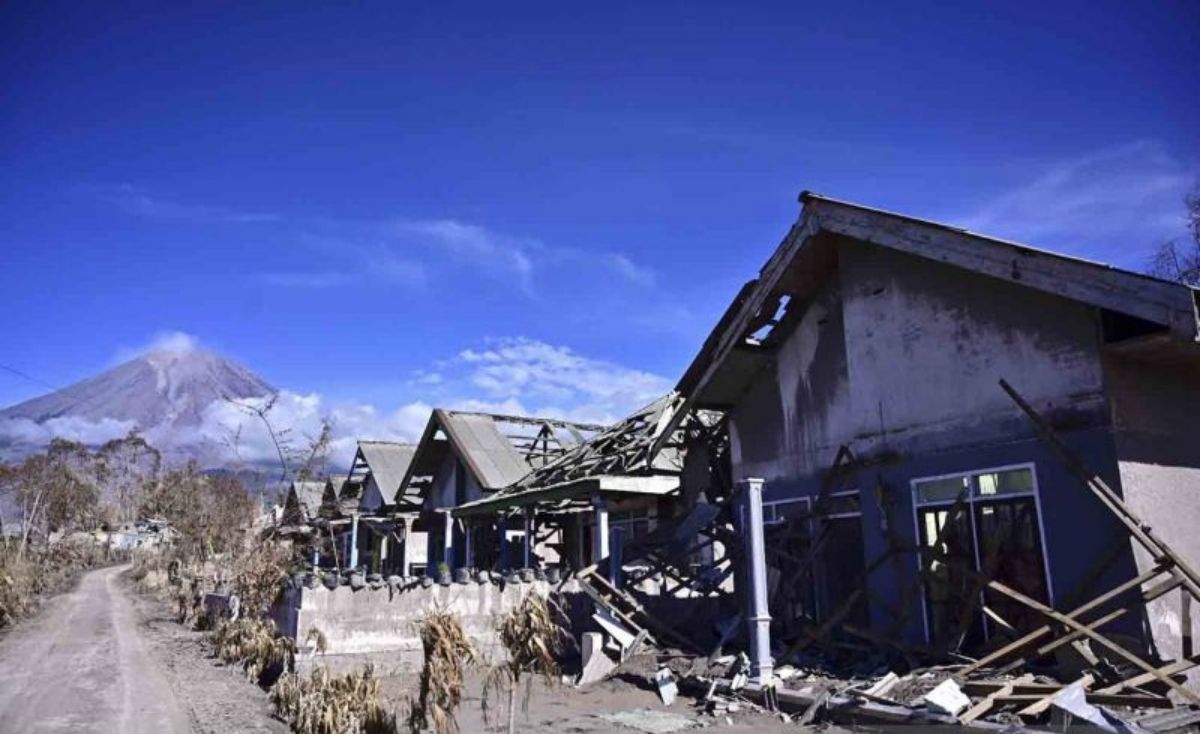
<point>23,431</point>
<point>1114,203</point>
<point>518,376</point>
<point>168,342</point>
<point>140,202</point>
<point>298,418</point>
<point>557,380</point>
<point>630,270</point>
<point>495,253</point>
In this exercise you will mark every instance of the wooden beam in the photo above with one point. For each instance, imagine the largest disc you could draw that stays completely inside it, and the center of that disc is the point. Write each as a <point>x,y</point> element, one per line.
<point>1044,630</point>
<point>1093,635</point>
<point>989,701</point>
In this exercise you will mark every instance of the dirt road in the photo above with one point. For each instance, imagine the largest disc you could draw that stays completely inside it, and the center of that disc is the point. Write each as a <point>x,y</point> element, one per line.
<point>82,666</point>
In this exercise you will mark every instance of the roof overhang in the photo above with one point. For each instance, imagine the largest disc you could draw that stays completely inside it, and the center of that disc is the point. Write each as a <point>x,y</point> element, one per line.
<point>655,485</point>
<point>726,362</point>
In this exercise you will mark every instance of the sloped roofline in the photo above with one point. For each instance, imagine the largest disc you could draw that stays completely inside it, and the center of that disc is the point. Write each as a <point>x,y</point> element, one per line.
<point>441,419</point>
<point>1173,305</point>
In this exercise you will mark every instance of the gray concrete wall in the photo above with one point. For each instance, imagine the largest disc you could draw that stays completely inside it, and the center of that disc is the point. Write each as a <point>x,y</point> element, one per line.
<point>899,358</point>
<point>1156,422</point>
<point>901,354</point>
<point>383,624</point>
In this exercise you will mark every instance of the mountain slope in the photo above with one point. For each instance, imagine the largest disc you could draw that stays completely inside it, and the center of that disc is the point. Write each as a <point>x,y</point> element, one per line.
<point>162,393</point>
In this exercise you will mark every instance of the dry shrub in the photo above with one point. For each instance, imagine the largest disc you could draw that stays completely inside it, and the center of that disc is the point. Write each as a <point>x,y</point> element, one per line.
<point>259,575</point>
<point>325,703</point>
<point>447,653</point>
<point>42,570</point>
<point>535,637</point>
<point>262,652</point>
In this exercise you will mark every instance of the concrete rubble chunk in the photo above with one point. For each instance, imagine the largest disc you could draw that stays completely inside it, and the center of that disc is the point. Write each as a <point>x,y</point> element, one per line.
<point>947,698</point>
<point>597,665</point>
<point>667,690</point>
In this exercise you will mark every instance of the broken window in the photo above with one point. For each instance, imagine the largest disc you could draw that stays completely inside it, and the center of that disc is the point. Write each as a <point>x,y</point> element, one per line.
<point>998,534</point>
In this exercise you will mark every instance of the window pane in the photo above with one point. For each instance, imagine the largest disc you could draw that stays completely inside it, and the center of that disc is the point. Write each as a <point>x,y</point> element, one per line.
<point>1011,481</point>
<point>941,490</point>
<point>843,504</point>
<point>790,510</point>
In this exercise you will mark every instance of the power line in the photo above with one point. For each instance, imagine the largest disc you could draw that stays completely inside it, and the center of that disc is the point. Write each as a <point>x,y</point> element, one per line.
<point>27,376</point>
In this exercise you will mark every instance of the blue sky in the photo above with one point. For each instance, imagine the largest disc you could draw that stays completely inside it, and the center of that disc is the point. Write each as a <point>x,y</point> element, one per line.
<point>354,199</point>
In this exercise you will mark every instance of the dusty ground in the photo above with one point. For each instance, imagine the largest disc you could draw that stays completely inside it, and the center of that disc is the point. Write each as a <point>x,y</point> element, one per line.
<point>216,699</point>
<point>567,710</point>
<point>81,665</point>
<point>104,659</point>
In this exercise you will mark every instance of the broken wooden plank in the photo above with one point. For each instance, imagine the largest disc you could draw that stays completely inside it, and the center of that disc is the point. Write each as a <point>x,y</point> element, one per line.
<point>984,706</point>
<point>1043,703</point>
<point>1092,634</point>
<point>1044,630</point>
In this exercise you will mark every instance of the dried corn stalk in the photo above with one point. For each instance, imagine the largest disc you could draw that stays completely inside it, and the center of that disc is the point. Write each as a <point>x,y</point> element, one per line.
<point>535,637</point>
<point>447,653</point>
<point>256,646</point>
<point>325,703</point>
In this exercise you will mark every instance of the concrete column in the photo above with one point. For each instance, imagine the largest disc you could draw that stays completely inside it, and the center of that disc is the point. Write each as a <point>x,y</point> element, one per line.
<point>468,544</point>
<point>448,539</point>
<point>759,619</point>
<point>599,528</point>
<point>404,553</point>
<point>353,563</point>
<point>502,528</point>
<point>615,556</point>
<point>527,546</point>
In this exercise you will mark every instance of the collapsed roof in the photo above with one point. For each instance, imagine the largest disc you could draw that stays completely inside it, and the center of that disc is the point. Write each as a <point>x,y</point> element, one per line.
<point>498,450</point>
<point>621,459</point>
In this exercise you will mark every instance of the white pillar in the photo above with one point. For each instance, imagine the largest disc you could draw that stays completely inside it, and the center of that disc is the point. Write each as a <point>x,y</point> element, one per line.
<point>404,552</point>
<point>448,540</point>
<point>615,554</point>
<point>527,546</point>
<point>599,528</point>
<point>759,618</point>
<point>353,542</point>
<point>502,528</point>
<point>468,545</point>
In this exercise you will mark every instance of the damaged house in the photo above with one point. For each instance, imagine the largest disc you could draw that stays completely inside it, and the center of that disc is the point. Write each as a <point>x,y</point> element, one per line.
<point>368,521</point>
<point>604,493</point>
<point>905,494</point>
<point>465,456</point>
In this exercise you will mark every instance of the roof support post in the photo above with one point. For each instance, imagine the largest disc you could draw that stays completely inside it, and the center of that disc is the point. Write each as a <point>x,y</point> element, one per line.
<point>406,538</point>
<point>615,561</point>
<point>759,619</point>
<point>353,554</point>
<point>448,539</point>
<point>599,528</point>
<point>468,545</point>
<point>502,529</point>
<point>527,543</point>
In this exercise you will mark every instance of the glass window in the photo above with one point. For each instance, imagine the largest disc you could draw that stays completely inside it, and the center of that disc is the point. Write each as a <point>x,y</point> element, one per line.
<point>1009,481</point>
<point>785,511</point>
<point>942,490</point>
<point>843,504</point>
<point>996,535</point>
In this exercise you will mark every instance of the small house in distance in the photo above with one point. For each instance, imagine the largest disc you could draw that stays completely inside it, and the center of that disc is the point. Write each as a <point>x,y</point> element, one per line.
<point>465,456</point>
<point>860,374</point>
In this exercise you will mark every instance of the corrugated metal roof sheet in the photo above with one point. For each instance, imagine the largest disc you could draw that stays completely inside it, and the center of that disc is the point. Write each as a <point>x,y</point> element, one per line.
<point>491,455</point>
<point>308,495</point>
<point>388,463</point>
